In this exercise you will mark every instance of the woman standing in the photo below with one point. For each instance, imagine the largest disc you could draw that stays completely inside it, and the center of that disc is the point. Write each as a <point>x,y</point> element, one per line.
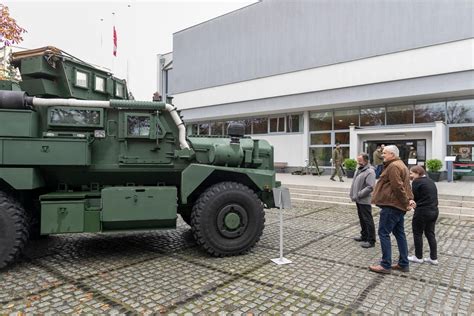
<point>426,213</point>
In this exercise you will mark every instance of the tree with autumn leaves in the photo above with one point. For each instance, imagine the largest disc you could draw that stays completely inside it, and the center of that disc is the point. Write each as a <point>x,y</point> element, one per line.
<point>10,31</point>
<point>10,34</point>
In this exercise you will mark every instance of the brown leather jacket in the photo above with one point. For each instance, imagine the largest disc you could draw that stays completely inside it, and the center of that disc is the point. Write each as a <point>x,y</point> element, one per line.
<point>393,188</point>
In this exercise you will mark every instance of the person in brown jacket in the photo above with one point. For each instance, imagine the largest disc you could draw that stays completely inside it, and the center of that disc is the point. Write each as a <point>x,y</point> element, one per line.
<point>393,195</point>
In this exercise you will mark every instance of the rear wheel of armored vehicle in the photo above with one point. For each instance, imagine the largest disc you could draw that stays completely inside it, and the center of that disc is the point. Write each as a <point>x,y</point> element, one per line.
<point>227,219</point>
<point>13,229</point>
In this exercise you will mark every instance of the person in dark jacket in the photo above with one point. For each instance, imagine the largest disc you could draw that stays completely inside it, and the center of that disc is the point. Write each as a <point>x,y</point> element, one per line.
<point>360,193</point>
<point>426,213</point>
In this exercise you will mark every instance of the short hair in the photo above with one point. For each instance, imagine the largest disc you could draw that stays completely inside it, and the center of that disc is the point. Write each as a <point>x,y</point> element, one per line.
<point>418,170</point>
<point>338,143</point>
<point>364,156</point>
<point>393,149</point>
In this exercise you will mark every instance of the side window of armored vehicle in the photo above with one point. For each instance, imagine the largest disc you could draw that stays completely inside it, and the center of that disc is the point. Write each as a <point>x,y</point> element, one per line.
<point>142,125</point>
<point>99,84</point>
<point>82,79</point>
<point>119,90</point>
<point>138,126</point>
<point>76,117</point>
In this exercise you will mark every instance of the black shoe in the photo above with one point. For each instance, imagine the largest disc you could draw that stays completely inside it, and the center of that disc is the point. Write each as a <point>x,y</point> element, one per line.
<point>332,179</point>
<point>367,244</point>
<point>341,180</point>
<point>358,239</point>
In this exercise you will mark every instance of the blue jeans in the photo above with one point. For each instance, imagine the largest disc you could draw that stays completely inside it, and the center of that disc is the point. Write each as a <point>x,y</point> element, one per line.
<point>378,171</point>
<point>391,221</point>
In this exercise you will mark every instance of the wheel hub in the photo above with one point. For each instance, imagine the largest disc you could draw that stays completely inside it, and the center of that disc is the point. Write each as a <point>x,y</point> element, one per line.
<point>232,221</point>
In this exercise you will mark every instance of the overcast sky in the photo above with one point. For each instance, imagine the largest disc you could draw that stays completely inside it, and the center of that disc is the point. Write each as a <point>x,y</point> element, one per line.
<point>144,29</point>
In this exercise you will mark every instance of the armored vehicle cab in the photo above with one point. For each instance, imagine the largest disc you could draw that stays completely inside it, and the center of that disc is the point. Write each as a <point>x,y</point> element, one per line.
<point>77,156</point>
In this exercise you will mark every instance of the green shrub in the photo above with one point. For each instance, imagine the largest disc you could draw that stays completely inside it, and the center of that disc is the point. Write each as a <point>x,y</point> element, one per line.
<point>434,165</point>
<point>350,164</point>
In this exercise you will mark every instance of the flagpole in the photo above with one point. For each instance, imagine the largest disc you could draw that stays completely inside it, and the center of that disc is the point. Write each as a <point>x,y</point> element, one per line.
<point>114,39</point>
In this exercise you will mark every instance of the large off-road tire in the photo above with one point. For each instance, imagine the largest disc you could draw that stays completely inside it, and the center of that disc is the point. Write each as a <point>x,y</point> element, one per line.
<point>13,229</point>
<point>227,219</point>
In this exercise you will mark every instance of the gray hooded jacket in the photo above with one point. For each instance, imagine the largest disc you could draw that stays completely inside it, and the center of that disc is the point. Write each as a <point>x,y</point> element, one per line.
<point>363,185</point>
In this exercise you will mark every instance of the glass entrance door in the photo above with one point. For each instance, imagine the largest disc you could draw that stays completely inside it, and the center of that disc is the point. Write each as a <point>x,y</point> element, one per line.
<point>409,148</point>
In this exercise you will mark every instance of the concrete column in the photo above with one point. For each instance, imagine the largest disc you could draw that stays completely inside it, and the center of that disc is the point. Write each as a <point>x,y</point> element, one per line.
<point>305,149</point>
<point>439,145</point>
<point>353,142</point>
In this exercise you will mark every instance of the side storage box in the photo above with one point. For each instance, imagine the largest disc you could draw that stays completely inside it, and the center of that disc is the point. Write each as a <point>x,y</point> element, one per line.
<point>18,123</point>
<point>120,204</point>
<point>62,217</point>
<point>52,152</point>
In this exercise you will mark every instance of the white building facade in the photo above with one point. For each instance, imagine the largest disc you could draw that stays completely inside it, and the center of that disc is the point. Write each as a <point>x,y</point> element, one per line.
<point>307,74</point>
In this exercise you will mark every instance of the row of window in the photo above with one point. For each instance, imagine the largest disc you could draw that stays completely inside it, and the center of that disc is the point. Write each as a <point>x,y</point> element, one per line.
<point>455,134</point>
<point>82,80</point>
<point>292,123</point>
<point>451,112</point>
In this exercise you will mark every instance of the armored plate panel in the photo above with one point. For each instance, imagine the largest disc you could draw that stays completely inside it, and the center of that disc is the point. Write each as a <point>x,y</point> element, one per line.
<point>138,203</point>
<point>52,152</point>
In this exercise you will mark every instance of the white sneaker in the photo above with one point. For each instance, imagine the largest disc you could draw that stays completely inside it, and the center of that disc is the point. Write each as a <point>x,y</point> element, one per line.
<point>415,259</point>
<point>429,260</point>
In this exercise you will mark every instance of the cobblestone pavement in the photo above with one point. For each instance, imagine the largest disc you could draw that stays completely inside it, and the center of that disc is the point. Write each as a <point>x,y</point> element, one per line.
<point>164,272</point>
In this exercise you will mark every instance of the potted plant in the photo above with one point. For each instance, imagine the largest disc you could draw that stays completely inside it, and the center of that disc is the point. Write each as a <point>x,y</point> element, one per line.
<point>434,166</point>
<point>350,165</point>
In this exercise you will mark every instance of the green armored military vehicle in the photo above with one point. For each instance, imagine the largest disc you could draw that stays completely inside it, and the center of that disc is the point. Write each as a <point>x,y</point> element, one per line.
<point>77,156</point>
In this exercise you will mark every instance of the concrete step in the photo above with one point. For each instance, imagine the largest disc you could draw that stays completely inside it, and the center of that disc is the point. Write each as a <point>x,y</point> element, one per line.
<point>449,205</point>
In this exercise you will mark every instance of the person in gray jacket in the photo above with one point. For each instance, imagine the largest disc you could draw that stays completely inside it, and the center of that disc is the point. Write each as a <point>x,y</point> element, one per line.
<point>361,193</point>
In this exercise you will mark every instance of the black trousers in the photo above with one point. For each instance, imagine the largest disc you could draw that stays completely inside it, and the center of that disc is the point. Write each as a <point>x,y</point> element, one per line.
<point>424,223</point>
<point>367,232</point>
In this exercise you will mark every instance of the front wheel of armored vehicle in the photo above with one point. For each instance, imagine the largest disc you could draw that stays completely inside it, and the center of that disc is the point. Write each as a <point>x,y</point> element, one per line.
<point>13,229</point>
<point>227,219</point>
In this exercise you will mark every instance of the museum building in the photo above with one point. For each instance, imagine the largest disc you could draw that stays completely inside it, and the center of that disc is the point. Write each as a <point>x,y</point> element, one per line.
<point>305,75</point>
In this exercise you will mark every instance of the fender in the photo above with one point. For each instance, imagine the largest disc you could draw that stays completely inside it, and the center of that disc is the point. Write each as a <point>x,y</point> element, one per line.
<point>22,178</point>
<point>195,174</point>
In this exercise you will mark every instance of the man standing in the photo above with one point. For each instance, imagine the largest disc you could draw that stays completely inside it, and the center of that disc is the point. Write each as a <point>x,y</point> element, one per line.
<point>360,193</point>
<point>337,160</point>
<point>392,194</point>
<point>378,161</point>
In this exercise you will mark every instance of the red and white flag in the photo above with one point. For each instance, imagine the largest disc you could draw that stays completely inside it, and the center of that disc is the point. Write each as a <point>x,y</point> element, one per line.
<point>115,42</point>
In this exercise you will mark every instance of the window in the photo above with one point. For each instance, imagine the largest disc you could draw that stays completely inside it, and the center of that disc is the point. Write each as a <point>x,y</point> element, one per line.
<point>293,124</point>
<point>193,129</point>
<point>99,84</point>
<point>217,128</point>
<point>342,138</point>
<point>138,125</point>
<point>277,124</point>
<point>260,125</point>
<point>321,139</point>
<point>119,90</point>
<point>372,116</point>
<point>461,134</point>
<point>320,121</point>
<point>82,79</point>
<point>461,111</point>
<point>400,114</point>
<point>322,154</point>
<point>204,129</point>
<point>75,117</point>
<point>345,118</point>
<point>430,112</point>
<point>463,153</point>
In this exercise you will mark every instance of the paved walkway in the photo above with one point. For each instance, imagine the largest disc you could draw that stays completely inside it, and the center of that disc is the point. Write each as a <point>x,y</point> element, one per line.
<point>463,187</point>
<point>165,273</point>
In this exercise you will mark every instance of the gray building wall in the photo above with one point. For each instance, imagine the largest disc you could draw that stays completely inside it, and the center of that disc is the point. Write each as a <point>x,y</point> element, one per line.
<point>276,36</point>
